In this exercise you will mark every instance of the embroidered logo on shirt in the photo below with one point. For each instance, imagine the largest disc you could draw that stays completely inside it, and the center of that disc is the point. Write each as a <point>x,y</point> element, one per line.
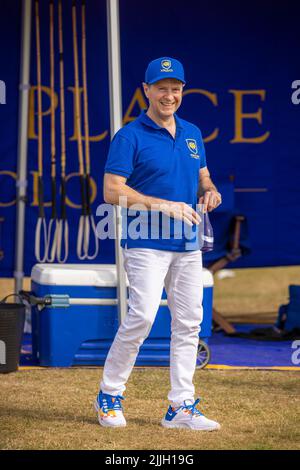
<point>192,146</point>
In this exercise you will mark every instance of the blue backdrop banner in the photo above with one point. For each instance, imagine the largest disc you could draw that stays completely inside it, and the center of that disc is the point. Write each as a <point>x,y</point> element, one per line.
<point>240,61</point>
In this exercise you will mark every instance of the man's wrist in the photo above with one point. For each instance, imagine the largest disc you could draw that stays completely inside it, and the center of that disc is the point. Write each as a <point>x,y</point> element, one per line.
<point>153,203</point>
<point>211,190</point>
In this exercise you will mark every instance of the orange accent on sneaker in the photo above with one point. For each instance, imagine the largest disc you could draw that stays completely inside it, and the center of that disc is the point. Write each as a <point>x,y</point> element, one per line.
<point>109,413</point>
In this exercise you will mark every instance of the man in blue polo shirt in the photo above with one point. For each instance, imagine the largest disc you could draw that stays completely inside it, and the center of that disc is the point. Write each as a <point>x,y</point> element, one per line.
<point>157,164</point>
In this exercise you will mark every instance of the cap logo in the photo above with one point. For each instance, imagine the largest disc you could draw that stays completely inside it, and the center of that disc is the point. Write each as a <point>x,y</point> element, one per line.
<point>166,64</point>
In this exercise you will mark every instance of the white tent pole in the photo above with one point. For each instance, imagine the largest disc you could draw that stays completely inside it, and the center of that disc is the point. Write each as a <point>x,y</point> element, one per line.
<point>115,104</point>
<point>21,182</point>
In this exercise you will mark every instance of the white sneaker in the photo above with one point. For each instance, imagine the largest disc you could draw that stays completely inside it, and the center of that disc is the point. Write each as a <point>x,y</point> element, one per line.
<point>188,416</point>
<point>109,410</point>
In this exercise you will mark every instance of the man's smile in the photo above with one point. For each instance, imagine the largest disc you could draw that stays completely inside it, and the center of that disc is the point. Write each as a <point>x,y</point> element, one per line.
<point>167,104</point>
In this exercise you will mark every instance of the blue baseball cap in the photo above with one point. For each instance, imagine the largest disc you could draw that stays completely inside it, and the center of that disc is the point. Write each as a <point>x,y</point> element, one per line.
<point>164,67</point>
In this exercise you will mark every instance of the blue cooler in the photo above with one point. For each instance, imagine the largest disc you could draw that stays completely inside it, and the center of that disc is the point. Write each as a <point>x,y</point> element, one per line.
<point>81,332</point>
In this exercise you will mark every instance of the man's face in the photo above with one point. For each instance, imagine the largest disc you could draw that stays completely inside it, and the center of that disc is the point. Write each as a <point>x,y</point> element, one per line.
<point>164,96</point>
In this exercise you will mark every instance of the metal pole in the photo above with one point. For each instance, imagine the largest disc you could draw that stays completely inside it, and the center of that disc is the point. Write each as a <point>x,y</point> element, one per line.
<point>21,182</point>
<point>115,105</point>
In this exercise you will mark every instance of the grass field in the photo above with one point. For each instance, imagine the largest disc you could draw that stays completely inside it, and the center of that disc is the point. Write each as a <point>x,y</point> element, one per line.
<point>52,408</point>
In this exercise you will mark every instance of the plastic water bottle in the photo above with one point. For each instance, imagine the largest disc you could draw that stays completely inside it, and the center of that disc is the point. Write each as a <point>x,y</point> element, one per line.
<point>208,234</point>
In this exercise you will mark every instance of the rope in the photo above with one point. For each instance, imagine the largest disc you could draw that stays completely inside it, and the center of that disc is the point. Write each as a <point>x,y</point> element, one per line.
<point>41,222</point>
<point>53,147</point>
<point>63,230</point>
<point>81,255</point>
<point>89,220</point>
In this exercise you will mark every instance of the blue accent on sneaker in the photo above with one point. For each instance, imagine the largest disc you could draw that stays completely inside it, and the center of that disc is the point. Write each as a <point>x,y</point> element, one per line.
<point>172,412</point>
<point>109,402</point>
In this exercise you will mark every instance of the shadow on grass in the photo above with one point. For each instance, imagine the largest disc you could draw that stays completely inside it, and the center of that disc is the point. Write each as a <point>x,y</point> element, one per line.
<point>38,415</point>
<point>49,415</point>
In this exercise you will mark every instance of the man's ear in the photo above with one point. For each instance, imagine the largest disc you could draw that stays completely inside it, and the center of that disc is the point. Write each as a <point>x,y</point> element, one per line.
<point>146,88</point>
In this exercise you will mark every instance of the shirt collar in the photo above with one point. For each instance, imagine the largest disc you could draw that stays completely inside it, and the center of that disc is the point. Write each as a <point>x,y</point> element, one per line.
<point>144,118</point>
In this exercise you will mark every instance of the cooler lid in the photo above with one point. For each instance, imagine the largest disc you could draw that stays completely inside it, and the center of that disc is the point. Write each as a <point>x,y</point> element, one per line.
<point>98,275</point>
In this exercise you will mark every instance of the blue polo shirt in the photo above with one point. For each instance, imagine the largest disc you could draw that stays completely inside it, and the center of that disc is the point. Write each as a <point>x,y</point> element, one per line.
<point>158,165</point>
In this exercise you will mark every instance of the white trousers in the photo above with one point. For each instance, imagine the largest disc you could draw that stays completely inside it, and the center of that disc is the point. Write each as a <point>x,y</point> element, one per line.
<point>148,272</point>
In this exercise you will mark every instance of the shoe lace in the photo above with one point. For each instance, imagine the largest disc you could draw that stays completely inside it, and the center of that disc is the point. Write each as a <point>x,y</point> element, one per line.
<point>192,408</point>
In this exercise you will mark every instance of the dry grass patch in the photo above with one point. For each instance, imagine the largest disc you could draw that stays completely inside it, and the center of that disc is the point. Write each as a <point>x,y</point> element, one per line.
<point>52,409</point>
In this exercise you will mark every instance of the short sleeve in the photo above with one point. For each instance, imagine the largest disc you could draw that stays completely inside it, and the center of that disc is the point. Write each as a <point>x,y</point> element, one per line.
<point>202,151</point>
<point>120,156</point>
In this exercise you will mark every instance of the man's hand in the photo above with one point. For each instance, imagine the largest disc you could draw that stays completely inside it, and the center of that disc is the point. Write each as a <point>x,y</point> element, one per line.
<point>181,211</point>
<point>210,200</point>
